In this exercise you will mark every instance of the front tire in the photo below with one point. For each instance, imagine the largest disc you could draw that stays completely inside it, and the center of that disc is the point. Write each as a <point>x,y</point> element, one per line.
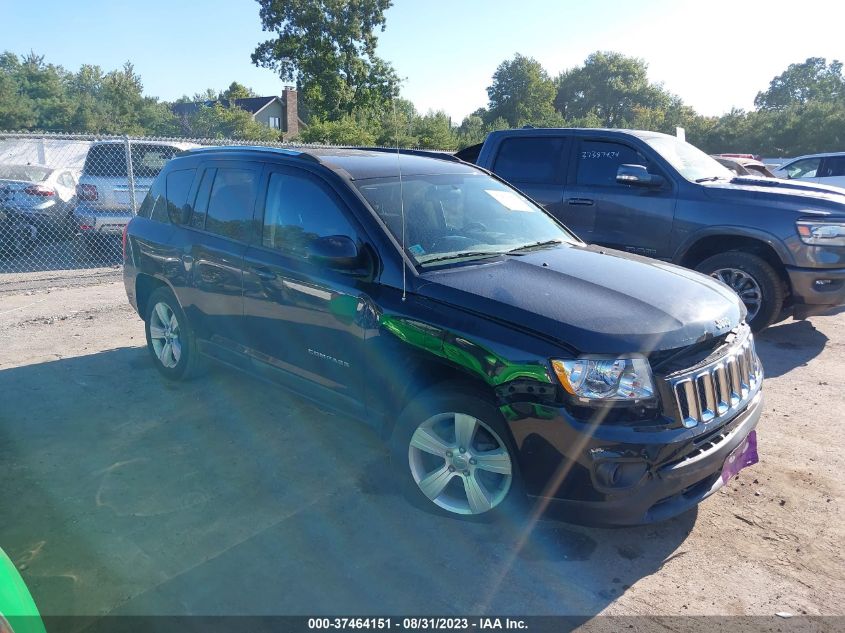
<point>755,281</point>
<point>170,340</point>
<point>453,455</point>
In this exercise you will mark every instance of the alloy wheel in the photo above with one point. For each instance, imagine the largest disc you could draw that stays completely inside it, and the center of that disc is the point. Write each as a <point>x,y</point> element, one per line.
<point>744,285</point>
<point>460,463</point>
<point>164,334</point>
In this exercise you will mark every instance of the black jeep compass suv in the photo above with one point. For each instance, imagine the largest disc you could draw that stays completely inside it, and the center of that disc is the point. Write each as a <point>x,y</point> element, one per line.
<point>498,354</point>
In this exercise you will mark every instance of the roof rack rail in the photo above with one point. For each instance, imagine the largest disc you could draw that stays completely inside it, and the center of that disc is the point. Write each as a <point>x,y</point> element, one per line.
<point>253,148</point>
<point>413,152</point>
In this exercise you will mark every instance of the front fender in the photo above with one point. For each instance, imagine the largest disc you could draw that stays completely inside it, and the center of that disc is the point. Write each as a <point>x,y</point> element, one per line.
<point>760,235</point>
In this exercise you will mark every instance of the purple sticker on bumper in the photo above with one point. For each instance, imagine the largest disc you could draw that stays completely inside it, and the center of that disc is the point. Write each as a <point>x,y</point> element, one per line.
<point>743,455</point>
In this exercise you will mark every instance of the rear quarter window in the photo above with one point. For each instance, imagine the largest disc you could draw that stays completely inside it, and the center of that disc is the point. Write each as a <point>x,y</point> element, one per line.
<point>153,201</point>
<point>531,159</point>
<point>178,186</point>
<point>109,160</point>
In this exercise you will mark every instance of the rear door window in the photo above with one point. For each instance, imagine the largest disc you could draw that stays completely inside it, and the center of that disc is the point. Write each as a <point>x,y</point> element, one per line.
<point>598,162</point>
<point>833,166</point>
<point>531,159</point>
<point>231,202</point>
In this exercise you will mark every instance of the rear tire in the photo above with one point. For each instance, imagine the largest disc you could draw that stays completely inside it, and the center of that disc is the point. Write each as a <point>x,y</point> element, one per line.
<point>452,454</point>
<point>170,339</point>
<point>754,280</point>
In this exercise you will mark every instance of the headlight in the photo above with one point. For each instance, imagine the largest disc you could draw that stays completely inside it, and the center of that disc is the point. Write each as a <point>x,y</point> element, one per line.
<point>606,379</point>
<point>820,233</point>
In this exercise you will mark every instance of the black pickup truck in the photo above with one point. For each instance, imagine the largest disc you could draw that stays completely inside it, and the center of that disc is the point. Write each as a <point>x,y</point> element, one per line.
<point>779,244</point>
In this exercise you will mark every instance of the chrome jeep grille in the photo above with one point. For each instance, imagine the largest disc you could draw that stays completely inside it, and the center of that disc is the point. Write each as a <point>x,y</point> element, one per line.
<point>720,387</point>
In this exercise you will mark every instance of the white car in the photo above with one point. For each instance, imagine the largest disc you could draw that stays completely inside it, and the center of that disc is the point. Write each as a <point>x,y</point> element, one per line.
<point>44,195</point>
<point>824,169</point>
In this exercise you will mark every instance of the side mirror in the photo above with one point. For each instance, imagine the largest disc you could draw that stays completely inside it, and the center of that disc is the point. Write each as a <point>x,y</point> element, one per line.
<point>335,251</point>
<point>637,175</point>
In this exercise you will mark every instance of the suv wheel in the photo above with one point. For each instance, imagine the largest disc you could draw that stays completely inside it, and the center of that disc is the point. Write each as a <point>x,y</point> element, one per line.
<point>755,281</point>
<point>169,337</point>
<point>451,450</point>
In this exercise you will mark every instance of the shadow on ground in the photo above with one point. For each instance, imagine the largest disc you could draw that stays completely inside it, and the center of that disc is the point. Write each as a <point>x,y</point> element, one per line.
<point>789,345</point>
<point>63,254</point>
<point>128,495</point>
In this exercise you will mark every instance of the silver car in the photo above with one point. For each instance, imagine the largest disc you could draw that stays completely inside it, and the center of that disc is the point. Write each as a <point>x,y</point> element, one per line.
<point>42,195</point>
<point>824,169</point>
<point>104,203</point>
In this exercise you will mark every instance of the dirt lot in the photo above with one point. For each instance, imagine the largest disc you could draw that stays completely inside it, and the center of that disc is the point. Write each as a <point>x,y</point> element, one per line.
<point>123,494</point>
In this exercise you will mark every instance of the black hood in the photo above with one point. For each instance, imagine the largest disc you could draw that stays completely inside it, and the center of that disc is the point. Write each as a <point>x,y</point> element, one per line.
<point>593,299</point>
<point>793,193</point>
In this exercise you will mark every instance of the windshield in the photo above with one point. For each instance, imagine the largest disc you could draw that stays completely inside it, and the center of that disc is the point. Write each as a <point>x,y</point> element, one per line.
<point>691,162</point>
<point>28,173</point>
<point>459,215</point>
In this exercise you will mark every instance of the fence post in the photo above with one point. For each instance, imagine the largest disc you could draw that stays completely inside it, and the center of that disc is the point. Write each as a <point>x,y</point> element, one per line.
<point>130,174</point>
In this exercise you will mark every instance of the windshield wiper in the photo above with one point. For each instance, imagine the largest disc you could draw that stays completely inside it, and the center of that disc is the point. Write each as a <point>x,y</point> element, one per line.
<point>710,179</point>
<point>525,247</point>
<point>449,256</point>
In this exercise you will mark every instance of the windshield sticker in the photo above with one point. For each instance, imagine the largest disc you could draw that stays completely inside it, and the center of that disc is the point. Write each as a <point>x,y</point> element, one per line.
<point>417,250</point>
<point>509,199</point>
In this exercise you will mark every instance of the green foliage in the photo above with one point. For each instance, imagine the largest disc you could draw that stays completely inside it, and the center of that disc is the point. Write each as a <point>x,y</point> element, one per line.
<point>394,125</point>
<point>347,130</point>
<point>237,91</point>
<point>811,81</point>
<point>521,93</point>
<point>610,86</point>
<point>215,121</point>
<point>329,48</point>
<point>434,131</point>
<point>41,96</point>
<point>351,93</point>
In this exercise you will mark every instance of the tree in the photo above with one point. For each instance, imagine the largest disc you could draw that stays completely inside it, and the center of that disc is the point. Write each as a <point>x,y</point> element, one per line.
<point>347,130</point>
<point>237,91</point>
<point>521,92</point>
<point>16,108</point>
<point>215,121</point>
<point>811,80</point>
<point>44,85</point>
<point>394,124</point>
<point>611,86</point>
<point>328,47</point>
<point>434,131</point>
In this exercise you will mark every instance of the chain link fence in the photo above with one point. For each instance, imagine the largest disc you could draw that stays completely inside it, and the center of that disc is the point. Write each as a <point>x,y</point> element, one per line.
<point>65,198</point>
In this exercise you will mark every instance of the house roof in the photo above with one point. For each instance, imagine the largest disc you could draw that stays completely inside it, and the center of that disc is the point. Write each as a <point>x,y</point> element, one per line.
<point>250,104</point>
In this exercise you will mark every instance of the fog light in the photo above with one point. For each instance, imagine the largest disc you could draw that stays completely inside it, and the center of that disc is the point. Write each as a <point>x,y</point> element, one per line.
<point>608,473</point>
<point>823,282</point>
<point>612,474</point>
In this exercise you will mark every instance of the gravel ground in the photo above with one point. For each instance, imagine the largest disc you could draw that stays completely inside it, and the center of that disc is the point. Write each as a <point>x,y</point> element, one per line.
<point>123,494</point>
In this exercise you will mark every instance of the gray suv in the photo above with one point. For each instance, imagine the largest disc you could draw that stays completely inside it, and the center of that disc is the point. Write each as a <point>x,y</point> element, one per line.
<point>780,244</point>
<point>104,194</point>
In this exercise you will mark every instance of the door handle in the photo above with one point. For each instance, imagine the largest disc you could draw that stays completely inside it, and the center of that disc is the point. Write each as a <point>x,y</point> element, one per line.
<point>264,273</point>
<point>582,202</point>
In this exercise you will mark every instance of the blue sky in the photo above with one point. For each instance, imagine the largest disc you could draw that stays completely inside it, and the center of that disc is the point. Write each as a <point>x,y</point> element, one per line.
<point>715,54</point>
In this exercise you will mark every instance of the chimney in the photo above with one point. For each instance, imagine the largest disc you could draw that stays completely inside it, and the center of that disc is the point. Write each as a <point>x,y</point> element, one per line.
<point>291,128</point>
